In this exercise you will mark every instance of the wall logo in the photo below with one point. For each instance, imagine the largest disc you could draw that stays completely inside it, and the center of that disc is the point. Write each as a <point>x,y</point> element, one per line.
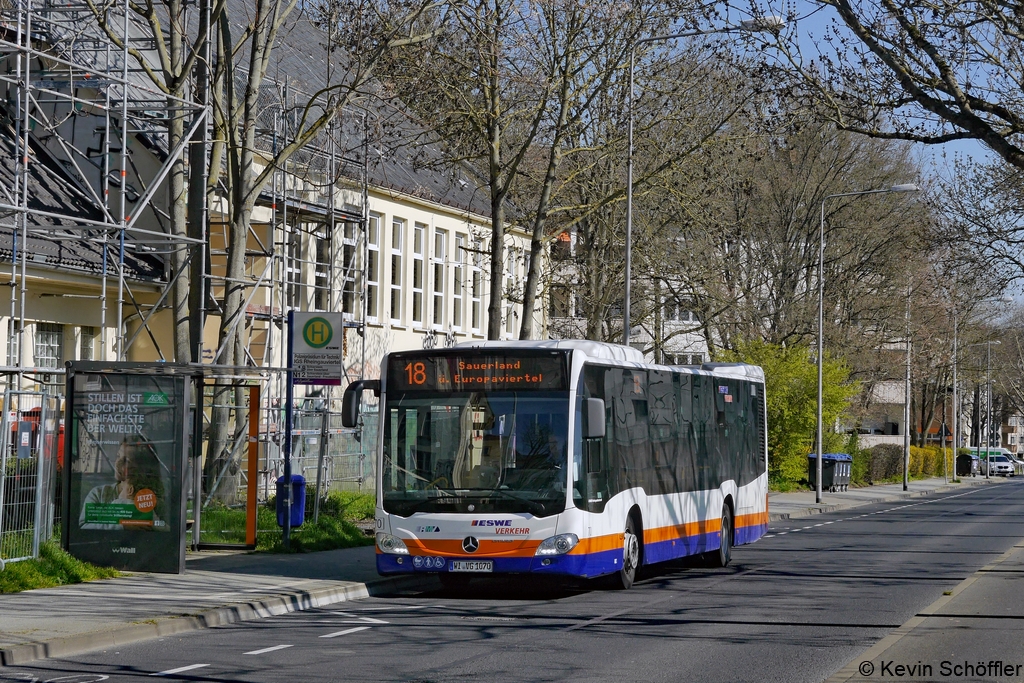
<point>491,522</point>
<point>317,333</point>
<point>428,529</point>
<point>155,399</point>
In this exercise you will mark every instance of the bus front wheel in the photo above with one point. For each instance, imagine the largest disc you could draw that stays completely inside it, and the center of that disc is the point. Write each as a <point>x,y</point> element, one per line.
<point>724,554</point>
<point>630,556</point>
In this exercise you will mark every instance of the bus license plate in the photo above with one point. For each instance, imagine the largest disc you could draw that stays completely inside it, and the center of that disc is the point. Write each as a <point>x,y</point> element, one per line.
<point>472,566</point>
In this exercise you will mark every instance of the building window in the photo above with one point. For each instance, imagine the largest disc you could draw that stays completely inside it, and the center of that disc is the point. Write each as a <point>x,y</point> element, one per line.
<point>684,358</point>
<point>87,343</point>
<point>397,233</point>
<point>372,266</point>
<point>350,264</point>
<point>559,302</point>
<point>321,272</point>
<point>293,265</point>
<point>477,280</point>
<point>459,281</point>
<point>418,236</point>
<point>511,263</point>
<point>13,343</point>
<point>437,264</point>
<point>49,345</point>
<point>561,248</point>
<point>49,353</point>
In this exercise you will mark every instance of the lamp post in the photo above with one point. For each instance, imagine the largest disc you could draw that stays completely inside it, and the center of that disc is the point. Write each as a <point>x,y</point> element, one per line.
<point>907,187</point>
<point>988,408</point>
<point>956,405</point>
<point>759,25</point>
<point>906,403</point>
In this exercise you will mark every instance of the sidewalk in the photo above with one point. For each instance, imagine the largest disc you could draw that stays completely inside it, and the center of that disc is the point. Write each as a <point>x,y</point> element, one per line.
<point>801,503</point>
<point>222,588</point>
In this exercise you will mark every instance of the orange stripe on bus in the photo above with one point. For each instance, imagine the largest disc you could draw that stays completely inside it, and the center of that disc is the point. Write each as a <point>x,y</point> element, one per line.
<point>677,531</point>
<point>598,544</point>
<point>453,547</point>
<point>752,519</point>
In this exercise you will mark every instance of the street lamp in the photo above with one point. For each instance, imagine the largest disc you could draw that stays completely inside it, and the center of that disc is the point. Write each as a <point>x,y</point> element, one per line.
<point>906,187</point>
<point>988,408</point>
<point>757,25</point>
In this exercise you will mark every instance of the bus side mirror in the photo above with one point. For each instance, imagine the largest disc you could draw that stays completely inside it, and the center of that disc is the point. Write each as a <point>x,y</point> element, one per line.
<point>595,418</point>
<point>350,402</point>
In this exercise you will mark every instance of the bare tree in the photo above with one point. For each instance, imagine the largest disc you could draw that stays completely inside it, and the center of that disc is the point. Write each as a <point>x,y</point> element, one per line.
<point>372,30</point>
<point>176,51</point>
<point>923,72</point>
<point>747,225</point>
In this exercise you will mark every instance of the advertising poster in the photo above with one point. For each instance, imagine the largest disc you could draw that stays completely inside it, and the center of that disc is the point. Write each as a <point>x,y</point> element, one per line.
<point>124,503</point>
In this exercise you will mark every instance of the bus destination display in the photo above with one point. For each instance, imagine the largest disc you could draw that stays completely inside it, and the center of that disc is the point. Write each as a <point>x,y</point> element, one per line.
<point>476,373</point>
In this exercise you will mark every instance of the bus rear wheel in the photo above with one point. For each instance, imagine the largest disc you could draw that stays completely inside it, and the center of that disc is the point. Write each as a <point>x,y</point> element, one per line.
<point>724,554</point>
<point>623,580</point>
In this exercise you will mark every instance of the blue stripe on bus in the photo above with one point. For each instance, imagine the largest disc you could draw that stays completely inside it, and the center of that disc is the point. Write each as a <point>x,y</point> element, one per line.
<point>583,565</point>
<point>749,534</point>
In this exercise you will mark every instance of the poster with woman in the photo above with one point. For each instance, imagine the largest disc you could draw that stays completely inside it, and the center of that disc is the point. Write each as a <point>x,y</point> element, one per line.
<point>125,467</point>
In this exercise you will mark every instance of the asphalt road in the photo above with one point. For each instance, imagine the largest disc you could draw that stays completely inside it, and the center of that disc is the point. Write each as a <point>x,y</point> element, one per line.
<point>796,606</point>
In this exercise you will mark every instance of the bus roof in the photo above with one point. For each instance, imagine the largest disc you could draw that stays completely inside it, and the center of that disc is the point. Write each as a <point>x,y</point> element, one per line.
<point>593,349</point>
<point>737,370</point>
<point>615,352</point>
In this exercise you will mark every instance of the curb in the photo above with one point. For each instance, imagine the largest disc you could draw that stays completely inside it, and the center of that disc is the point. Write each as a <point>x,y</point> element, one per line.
<point>822,509</point>
<point>849,671</point>
<point>165,626</point>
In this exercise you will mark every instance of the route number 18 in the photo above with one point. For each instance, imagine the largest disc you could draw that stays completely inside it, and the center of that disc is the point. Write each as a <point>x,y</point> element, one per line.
<point>417,373</point>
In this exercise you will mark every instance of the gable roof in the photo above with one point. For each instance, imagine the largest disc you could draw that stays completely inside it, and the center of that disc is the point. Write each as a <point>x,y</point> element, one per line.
<point>59,216</point>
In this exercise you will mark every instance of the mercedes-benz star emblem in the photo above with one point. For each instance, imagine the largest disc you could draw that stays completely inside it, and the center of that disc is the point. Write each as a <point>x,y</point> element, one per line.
<point>470,544</point>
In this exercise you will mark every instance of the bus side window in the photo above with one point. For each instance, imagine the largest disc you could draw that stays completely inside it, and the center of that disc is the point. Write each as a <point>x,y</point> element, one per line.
<point>704,429</point>
<point>595,454</point>
<point>663,431</point>
<point>685,445</point>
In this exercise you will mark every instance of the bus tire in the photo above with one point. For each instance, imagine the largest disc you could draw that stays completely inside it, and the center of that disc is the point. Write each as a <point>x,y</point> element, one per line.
<point>724,554</point>
<point>623,579</point>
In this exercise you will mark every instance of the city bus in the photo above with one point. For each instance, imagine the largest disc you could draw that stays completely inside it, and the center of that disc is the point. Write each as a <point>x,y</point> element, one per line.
<point>562,458</point>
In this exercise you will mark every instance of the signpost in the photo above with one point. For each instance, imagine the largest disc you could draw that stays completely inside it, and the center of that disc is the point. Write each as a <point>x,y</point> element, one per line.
<point>315,342</point>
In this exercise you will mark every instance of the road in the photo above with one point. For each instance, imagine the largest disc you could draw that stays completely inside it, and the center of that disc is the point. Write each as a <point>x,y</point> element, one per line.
<point>796,606</point>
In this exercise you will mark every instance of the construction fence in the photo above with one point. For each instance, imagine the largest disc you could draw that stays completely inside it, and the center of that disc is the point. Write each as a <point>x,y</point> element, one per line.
<point>330,458</point>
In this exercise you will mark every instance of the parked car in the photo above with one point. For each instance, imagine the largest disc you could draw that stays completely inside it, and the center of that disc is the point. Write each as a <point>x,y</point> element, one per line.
<point>1018,464</point>
<point>999,464</point>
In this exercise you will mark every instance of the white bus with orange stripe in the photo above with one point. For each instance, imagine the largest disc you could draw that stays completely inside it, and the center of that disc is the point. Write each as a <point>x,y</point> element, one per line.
<point>569,458</point>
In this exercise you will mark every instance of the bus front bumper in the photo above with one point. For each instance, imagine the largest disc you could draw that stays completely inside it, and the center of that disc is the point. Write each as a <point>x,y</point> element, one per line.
<point>568,565</point>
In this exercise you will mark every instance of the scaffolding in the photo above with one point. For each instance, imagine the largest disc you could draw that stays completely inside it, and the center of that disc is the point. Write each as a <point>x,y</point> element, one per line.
<point>87,193</point>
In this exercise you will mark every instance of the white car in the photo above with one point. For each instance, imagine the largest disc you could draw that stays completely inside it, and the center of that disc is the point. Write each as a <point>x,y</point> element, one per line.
<point>1000,465</point>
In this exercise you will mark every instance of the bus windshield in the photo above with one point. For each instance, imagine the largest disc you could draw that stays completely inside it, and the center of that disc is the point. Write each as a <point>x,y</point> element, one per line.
<point>475,452</point>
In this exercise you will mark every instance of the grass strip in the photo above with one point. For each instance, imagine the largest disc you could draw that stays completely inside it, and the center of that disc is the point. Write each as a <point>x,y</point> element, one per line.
<point>53,567</point>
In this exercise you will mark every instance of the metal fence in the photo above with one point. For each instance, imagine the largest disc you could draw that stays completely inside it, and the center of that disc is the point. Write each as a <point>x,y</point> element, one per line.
<point>328,456</point>
<point>31,442</point>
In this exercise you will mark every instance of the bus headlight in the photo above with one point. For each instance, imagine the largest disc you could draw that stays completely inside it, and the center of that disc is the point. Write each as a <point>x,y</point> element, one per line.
<point>558,545</point>
<point>391,545</point>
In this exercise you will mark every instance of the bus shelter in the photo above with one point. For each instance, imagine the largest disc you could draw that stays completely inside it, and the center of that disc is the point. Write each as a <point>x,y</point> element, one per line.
<point>126,454</point>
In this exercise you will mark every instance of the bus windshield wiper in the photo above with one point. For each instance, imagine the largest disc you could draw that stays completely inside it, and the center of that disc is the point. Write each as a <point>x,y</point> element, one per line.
<point>532,505</point>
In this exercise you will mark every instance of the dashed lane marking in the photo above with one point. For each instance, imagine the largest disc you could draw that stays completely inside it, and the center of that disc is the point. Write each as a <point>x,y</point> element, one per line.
<point>345,632</point>
<point>179,670</point>
<point>268,649</point>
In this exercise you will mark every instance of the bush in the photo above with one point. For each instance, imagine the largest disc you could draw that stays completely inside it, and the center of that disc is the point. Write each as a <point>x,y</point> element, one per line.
<point>886,463</point>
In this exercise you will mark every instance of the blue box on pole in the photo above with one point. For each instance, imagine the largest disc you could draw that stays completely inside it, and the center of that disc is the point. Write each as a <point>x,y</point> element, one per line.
<point>298,500</point>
